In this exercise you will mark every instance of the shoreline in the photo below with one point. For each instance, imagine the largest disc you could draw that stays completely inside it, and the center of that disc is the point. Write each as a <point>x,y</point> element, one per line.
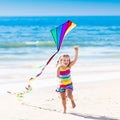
<point>16,78</point>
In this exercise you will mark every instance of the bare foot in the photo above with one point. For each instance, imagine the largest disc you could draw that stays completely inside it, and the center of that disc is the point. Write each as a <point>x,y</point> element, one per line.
<point>73,104</point>
<point>64,111</point>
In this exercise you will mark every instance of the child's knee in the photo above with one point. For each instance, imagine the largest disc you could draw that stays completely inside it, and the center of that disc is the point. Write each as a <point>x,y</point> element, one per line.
<point>69,95</point>
<point>63,98</point>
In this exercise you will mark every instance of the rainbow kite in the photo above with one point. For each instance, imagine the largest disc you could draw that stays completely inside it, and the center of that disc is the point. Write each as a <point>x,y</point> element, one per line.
<point>58,34</point>
<point>61,31</point>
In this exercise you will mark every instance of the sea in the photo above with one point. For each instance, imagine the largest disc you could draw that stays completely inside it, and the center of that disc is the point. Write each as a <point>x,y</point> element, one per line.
<point>27,42</point>
<point>24,38</point>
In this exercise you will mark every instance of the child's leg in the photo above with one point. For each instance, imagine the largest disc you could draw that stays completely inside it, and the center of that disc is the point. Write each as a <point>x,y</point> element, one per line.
<point>70,96</point>
<point>63,97</point>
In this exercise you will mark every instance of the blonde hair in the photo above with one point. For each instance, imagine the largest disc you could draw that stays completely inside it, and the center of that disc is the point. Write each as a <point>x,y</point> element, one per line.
<point>60,58</point>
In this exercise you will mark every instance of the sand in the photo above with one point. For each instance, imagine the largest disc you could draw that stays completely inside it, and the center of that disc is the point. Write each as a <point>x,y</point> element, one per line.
<point>96,93</point>
<point>98,100</point>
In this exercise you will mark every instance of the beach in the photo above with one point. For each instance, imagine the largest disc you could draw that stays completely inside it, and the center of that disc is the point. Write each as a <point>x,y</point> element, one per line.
<point>26,44</point>
<point>95,99</point>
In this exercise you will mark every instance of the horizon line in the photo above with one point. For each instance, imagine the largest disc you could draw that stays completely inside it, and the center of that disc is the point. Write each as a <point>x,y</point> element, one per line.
<point>52,15</point>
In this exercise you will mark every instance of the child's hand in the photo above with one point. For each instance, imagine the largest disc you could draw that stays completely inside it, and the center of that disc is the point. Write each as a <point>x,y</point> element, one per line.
<point>76,48</point>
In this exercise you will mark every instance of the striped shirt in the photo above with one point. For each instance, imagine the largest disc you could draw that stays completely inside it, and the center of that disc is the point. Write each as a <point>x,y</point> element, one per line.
<point>65,76</point>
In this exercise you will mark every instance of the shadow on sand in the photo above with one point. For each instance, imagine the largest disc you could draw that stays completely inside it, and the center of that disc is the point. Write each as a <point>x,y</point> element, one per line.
<point>85,116</point>
<point>93,117</point>
<point>42,108</point>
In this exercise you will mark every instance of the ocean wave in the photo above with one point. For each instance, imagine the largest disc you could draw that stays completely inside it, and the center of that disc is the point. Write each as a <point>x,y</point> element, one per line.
<point>81,43</point>
<point>27,44</point>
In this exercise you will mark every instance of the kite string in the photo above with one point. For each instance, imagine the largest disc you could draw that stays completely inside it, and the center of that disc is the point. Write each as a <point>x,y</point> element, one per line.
<point>49,60</point>
<point>31,79</point>
<point>28,88</point>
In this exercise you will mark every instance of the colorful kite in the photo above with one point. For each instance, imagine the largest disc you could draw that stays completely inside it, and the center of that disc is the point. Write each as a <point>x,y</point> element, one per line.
<point>58,34</point>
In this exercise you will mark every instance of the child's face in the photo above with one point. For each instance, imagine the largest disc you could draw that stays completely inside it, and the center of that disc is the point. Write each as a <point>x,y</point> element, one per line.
<point>65,61</point>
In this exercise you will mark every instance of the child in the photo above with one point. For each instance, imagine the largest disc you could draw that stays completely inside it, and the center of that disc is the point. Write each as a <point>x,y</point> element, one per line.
<point>63,73</point>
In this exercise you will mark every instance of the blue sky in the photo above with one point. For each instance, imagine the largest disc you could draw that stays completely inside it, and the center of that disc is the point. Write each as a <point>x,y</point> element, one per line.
<point>59,7</point>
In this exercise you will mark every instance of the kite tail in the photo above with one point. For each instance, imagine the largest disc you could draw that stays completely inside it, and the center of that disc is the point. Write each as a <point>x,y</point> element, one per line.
<point>28,88</point>
<point>47,63</point>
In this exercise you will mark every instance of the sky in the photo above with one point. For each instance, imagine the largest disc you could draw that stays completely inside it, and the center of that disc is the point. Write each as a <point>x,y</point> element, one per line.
<point>59,7</point>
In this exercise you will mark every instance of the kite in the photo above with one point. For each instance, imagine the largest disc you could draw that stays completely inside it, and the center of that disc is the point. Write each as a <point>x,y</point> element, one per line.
<point>58,34</point>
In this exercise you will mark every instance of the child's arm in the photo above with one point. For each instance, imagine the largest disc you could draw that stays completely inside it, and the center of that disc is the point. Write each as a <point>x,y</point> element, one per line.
<point>58,72</point>
<point>75,56</point>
